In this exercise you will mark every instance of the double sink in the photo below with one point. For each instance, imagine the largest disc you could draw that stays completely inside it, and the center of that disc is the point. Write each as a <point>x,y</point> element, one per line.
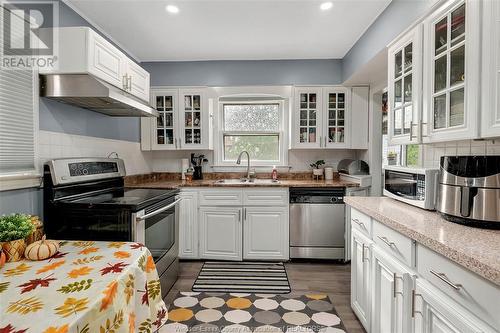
<point>245,181</point>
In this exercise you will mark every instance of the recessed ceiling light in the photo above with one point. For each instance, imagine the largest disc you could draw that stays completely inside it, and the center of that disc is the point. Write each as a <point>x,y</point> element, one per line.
<point>326,5</point>
<point>172,9</point>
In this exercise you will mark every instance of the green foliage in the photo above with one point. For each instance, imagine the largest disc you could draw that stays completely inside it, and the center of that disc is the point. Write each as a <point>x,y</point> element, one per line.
<point>412,153</point>
<point>317,164</point>
<point>259,147</point>
<point>15,226</point>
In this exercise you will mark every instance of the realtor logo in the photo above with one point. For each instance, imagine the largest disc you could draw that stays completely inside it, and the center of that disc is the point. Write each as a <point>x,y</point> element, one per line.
<point>29,35</point>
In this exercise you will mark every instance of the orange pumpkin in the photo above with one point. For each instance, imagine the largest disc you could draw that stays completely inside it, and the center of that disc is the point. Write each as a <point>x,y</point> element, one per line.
<point>41,249</point>
<point>2,258</point>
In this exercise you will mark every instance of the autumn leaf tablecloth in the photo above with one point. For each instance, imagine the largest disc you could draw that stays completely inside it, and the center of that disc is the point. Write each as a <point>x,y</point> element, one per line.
<point>86,287</point>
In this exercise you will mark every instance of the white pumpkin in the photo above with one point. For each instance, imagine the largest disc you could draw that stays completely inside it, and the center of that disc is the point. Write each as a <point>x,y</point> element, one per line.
<point>41,249</point>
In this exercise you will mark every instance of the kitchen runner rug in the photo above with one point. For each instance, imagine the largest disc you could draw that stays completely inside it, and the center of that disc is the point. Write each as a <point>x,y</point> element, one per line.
<point>252,277</point>
<point>245,313</point>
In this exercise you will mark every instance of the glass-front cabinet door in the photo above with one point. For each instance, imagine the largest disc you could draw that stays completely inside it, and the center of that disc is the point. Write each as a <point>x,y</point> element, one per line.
<point>405,82</point>
<point>192,120</point>
<point>337,117</point>
<point>164,132</point>
<point>452,70</point>
<point>308,118</point>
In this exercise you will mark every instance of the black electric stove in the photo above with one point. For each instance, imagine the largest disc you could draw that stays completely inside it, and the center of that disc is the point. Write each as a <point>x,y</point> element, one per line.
<point>85,199</point>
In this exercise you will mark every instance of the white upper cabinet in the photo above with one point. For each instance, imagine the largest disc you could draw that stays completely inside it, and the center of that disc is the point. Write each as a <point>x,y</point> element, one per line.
<point>452,71</point>
<point>321,118</point>
<point>405,88</point>
<point>137,80</point>
<point>82,51</point>
<point>184,120</point>
<point>490,98</point>
<point>308,119</point>
<point>336,118</point>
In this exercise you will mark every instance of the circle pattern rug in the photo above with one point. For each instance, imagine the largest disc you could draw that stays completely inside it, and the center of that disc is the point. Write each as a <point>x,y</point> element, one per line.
<point>245,313</point>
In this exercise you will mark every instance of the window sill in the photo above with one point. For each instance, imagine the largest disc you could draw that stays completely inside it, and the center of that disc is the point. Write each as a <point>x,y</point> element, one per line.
<point>19,181</point>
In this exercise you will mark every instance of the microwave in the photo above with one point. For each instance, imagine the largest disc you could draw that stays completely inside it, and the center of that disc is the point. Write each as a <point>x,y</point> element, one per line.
<point>414,186</point>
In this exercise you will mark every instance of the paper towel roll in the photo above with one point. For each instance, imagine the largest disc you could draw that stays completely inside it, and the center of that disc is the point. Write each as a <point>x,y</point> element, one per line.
<point>184,167</point>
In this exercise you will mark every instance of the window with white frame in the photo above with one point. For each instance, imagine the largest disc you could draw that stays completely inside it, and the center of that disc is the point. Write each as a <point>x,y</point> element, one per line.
<point>254,126</point>
<point>18,127</point>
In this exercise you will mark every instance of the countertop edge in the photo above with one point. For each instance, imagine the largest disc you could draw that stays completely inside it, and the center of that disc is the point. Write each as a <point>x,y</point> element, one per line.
<point>470,263</point>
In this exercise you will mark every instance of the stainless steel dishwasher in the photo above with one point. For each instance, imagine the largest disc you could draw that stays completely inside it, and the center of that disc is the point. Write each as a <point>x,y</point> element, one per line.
<point>317,223</point>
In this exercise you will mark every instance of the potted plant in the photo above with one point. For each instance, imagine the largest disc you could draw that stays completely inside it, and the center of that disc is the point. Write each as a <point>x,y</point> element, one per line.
<point>392,158</point>
<point>14,229</point>
<point>317,170</point>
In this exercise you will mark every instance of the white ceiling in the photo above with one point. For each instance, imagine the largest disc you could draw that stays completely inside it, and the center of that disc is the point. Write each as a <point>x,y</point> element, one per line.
<point>232,29</point>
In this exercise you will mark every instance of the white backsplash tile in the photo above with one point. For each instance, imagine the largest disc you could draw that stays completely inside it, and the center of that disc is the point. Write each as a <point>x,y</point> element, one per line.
<point>61,145</point>
<point>433,152</point>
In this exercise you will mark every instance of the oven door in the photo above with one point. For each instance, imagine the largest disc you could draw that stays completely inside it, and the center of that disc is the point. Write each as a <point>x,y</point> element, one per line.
<point>157,228</point>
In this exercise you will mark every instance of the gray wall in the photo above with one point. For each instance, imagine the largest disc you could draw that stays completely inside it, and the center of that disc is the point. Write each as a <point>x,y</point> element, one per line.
<point>263,72</point>
<point>27,201</point>
<point>398,16</point>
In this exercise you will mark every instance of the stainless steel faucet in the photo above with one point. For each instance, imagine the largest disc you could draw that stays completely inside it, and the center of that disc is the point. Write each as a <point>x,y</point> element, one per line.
<point>238,161</point>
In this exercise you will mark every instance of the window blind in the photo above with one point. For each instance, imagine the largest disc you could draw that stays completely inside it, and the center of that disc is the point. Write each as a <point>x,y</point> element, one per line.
<point>17,118</point>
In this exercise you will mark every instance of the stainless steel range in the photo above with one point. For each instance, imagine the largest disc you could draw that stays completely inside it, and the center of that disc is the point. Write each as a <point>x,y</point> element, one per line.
<point>85,199</point>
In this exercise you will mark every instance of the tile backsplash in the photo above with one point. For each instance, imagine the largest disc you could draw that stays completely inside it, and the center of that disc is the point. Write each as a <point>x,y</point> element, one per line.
<point>433,152</point>
<point>57,145</point>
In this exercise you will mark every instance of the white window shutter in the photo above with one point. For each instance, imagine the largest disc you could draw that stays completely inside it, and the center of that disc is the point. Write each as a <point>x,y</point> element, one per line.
<point>18,119</point>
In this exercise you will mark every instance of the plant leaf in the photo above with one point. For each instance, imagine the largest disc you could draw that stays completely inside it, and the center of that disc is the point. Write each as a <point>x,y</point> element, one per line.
<point>52,329</point>
<point>72,306</point>
<point>88,250</point>
<point>116,268</point>
<point>85,270</point>
<point>4,286</point>
<point>121,255</point>
<point>150,265</point>
<point>11,329</point>
<point>154,288</point>
<point>25,306</point>
<point>129,288</point>
<point>109,295</point>
<point>87,260</point>
<point>18,270</point>
<point>50,267</point>
<point>33,284</point>
<point>76,286</point>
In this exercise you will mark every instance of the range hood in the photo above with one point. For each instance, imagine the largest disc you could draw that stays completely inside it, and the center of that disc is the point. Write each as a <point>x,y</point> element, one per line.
<point>89,92</point>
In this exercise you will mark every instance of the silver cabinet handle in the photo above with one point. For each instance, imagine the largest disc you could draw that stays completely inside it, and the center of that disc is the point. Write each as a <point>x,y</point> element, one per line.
<point>413,303</point>
<point>363,253</point>
<point>239,215</point>
<point>320,141</point>
<point>386,241</point>
<point>395,284</point>
<point>124,82</point>
<point>175,142</point>
<point>325,141</point>
<point>361,224</point>
<point>180,145</point>
<point>244,214</point>
<point>129,82</point>
<point>445,279</point>
<point>411,130</point>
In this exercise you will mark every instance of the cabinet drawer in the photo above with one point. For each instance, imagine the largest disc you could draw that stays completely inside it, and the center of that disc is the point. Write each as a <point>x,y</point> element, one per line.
<point>221,197</point>
<point>401,247</point>
<point>265,197</point>
<point>361,222</point>
<point>473,292</point>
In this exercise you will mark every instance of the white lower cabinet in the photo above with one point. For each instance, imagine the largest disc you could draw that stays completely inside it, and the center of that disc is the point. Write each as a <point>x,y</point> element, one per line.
<point>233,224</point>
<point>220,233</point>
<point>392,284</point>
<point>393,293</point>
<point>187,213</point>
<point>360,276</point>
<point>435,312</point>
<point>265,233</point>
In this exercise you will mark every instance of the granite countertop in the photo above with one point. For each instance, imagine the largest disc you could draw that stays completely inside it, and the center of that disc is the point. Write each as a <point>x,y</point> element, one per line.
<point>478,250</point>
<point>169,184</point>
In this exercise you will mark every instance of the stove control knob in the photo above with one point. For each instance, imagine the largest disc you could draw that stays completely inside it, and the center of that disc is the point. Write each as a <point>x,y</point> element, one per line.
<point>85,171</point>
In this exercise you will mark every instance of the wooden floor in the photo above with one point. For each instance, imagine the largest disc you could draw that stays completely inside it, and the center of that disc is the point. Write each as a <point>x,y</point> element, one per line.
<point>330,278</point>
